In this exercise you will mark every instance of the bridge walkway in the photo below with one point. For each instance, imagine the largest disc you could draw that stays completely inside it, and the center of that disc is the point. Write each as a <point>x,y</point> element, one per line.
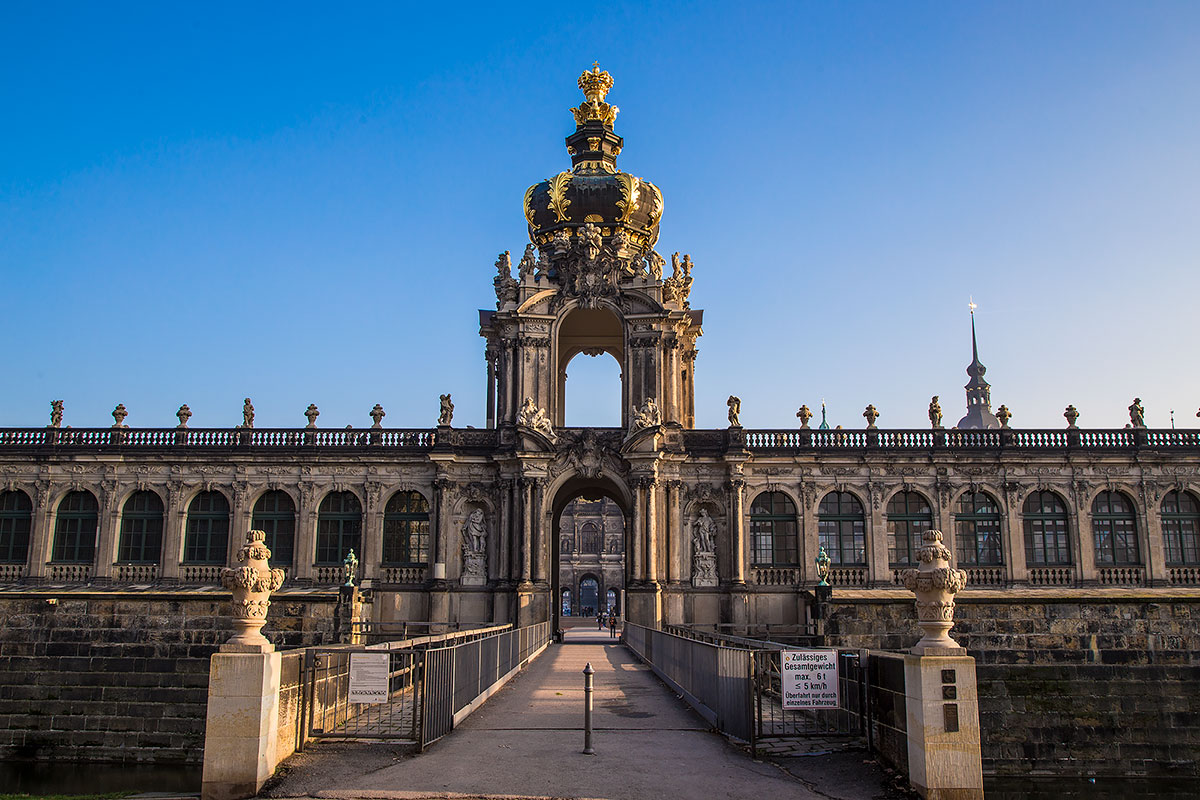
<point>526,741</point>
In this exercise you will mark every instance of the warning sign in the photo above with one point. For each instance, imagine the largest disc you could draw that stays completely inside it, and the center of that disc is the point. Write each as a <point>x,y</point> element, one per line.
<point>369,677</point>
<point>810,678</point>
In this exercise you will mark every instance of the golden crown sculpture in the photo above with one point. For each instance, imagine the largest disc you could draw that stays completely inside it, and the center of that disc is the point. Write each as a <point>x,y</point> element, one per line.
<point>595,85</point>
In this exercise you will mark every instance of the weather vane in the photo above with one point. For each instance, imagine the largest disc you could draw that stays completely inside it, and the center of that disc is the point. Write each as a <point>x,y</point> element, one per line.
<point>971,304</point>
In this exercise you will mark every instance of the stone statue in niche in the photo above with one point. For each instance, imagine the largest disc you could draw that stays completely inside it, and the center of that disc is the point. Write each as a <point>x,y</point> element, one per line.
<point>647,416</point>
<point>704,550</point>
<point>474,549</point>
<point>446,415</point>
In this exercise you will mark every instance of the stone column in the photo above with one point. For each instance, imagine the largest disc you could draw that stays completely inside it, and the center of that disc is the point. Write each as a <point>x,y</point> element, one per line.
<point>879,568</point>
<point>1080,524</point>
<point>1150,539</point>
<point>737,530</point>
<point>441,527</point>
<point>943,727</point>
<point>677,537</point>
<point>108,525</point>
<point>173,530</point>
<point>306,532</point>
<point>40,534</point>
<point>500,569</point>
<point>652,532</point>
<point>526,531</point>
<point>371,565</point>
<point>239,521</point>
<point>637,575</point>
<point>539,531</point>
<point>491,387</point>
<point>810,537</point>
<point>1012,534</point>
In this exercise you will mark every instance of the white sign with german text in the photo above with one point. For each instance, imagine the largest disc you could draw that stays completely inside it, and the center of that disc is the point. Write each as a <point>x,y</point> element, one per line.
<point>369,677</point>
<point>810,678</point>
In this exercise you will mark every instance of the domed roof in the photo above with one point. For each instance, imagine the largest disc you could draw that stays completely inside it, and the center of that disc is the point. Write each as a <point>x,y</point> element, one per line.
<point>594,190</point>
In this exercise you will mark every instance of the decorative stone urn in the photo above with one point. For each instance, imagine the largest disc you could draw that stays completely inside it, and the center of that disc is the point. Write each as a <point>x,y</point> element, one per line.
<point>935,583</point>
<point>252,586</point>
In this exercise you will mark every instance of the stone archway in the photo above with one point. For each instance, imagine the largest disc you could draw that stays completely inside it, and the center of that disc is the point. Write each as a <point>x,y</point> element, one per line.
<point>610,569</point>
<point>591,332</point>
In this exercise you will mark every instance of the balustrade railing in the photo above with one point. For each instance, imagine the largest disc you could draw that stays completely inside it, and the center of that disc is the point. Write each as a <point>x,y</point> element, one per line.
<point>1052,576</point>
<point>200,573</point>
<point>1121,576</point>
<point>69,573</point>
<point>11,573</point>
<point>1183,576</point>
<point>760,440</point>
<point>848,576</point>
<point>135,573</point>
<point>978,577</point>
<point>775,576</point>
<point>329,575</point>
<point>403,574</point>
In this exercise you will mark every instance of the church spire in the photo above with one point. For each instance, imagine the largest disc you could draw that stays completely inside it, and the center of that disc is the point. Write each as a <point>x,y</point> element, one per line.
<point>979,392</point>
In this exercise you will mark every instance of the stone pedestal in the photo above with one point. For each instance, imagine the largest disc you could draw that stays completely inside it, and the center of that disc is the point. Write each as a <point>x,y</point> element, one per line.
<point>242,725</point>
<point>943,727</point>
<point>644,604</point>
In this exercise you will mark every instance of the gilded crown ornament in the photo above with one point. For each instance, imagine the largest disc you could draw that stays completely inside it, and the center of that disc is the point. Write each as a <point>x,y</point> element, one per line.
<point>595,85</point>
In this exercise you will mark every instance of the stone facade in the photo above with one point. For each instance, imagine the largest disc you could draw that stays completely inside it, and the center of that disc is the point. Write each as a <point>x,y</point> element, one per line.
<point>591,547</point>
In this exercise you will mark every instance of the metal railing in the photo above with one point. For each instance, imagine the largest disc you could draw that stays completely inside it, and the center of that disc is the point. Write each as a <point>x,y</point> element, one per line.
<point>434,682</point>
<point>735,683</point>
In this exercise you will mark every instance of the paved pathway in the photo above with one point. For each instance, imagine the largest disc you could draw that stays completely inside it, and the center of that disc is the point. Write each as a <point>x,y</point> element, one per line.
<point>526,742</point>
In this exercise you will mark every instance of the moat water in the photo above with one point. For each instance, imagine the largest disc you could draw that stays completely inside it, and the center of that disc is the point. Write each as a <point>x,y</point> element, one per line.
<point>65,777</point>
<point>1097,789</point>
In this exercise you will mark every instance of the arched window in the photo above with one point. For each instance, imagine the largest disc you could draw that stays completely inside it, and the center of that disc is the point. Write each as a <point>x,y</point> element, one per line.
<point>141,529</point>
<point>1181,528</point>
<point>908,516</point>
<point>977,530</point>
<point>591,538</point>
<point>1115,530</point>
<point>16,520</point>
<point>339,528</point>
<point>773,530</point>
<point>406,530</point>
<point>207,540</point>
<point>1046,539</point>
<point>275,515</point>
<point>75,530</point>
<point>841,529</point>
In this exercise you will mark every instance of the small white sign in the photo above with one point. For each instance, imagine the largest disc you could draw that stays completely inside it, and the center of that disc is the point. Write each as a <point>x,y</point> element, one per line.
<point>810,678</point>
<point>369,677</point>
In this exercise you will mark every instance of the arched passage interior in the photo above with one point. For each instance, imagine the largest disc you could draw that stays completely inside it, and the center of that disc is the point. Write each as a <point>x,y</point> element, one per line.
<point>591,522</point>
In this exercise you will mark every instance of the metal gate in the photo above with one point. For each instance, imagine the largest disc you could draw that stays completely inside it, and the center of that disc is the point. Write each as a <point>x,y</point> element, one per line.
<point>330,712</point>
<point>771,719</point>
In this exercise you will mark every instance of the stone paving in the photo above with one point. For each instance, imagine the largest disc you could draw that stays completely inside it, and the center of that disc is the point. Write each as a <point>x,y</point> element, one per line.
<point>526,742</point>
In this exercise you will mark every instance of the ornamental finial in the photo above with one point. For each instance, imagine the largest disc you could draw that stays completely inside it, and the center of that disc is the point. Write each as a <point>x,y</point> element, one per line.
<point>595,85</point>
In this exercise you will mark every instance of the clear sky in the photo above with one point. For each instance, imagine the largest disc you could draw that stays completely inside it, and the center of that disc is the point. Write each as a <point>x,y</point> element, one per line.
<point>203,202</point>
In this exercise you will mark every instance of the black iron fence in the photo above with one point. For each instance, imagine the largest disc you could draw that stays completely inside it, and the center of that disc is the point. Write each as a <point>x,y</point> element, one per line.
<point>736,683</point>
<point>433,682</point>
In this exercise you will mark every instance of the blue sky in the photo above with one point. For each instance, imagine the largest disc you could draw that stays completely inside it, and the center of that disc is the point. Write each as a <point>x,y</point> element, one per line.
<point>303,205</point>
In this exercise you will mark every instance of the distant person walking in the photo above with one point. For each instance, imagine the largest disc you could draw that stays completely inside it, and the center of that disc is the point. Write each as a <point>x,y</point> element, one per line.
<point>612,625</point>
<point>599,622</point>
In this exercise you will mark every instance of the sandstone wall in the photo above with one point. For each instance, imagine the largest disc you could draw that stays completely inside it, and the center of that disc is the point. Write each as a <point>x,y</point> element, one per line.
<point>1081,683</point>
<point>123,676</point>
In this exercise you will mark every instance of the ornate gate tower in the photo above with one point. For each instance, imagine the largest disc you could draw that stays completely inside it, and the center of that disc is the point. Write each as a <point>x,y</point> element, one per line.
<point>591,282</point>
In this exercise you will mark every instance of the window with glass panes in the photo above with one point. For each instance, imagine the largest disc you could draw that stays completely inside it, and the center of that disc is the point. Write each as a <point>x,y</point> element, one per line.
<point>977,530</point>
<point>141,529</point>
<point>1181,528</point>
<point>406,530</point>
<point>773,530</point>
<point>908,516</point>
<point>16,520</point>
<point>591,538</point>
<point>1114,529</point>
<point>207,538</point>
<point>339,528</point>
<point>275,516</point>
<point>1046,539</point>
<point>841,529</point>
<point>75,529</point>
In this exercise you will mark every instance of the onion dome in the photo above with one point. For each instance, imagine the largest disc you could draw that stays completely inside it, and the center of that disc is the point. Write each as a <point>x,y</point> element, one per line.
<point>594,190</point>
